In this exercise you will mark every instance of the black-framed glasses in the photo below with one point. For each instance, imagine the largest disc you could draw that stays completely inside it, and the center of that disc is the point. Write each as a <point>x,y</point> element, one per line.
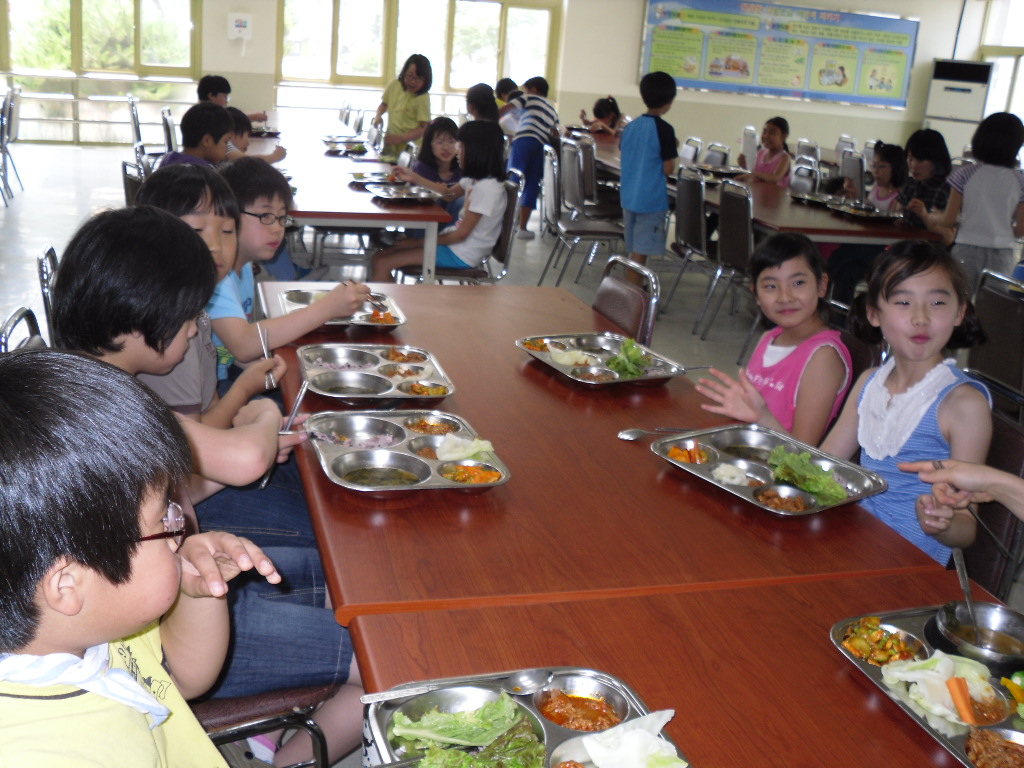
<point>174,525</point>
<point>269,219</point>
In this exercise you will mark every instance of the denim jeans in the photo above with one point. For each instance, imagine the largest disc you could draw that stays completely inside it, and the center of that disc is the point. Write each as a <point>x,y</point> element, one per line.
<point>282,636</point>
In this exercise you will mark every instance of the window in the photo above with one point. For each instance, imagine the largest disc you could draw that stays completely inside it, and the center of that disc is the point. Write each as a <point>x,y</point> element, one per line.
<point>467,41</point>
<point>1003,45</point>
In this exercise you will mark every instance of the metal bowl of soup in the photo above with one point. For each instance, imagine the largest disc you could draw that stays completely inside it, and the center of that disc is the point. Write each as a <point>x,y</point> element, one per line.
<point>1001,631</point>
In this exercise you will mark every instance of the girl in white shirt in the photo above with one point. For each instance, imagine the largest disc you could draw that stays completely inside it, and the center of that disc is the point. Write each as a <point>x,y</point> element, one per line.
<point>465,245</point>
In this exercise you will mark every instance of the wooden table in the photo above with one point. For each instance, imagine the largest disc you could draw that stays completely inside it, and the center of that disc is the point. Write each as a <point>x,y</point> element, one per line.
<point>774,210</point>
<point>584,514</point>
<point>324,197</point>
<point>751,672</point>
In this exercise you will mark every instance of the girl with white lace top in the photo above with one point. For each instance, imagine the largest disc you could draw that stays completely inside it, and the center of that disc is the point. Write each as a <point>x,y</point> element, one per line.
<point>917,405</point>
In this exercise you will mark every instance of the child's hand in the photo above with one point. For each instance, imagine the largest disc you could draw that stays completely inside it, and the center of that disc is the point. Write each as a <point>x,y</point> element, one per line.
<point>849,189</point>
<point>210,560</point>
<point>287,442</point>
<point>277,153</point>
<point>737,399</point>
<point>253,378</point>
<point>918,208</point>
<point>258,410</point>
<point>742,160</point>
<point>933,517</point>
<point>403,174</point>
<point>955,483</point>
<point>347,298</point>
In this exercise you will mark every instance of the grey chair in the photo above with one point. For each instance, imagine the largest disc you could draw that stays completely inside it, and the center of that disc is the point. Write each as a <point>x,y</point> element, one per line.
<point>716,154</point>
<point>170,136</point>
<point>852,167</point>
<point>633,306</point>
<point>735,246</point>
<point>808,148</point>
<point>145,159</point>
<point>691,238</point>
<point>501,253</point>
<point>595,193</point>
<point>407,157</point>
<point>690,151</point>
<point>132,177</point>
<point>551,192</point>
<point>9,135</point>
<point>46,266</point>
<point>9,331</point>
<point>804,177</point>
<point>999,361</point>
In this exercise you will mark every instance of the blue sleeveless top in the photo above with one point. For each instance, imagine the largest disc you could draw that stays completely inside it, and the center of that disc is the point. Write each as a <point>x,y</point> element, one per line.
<point>896,507</point>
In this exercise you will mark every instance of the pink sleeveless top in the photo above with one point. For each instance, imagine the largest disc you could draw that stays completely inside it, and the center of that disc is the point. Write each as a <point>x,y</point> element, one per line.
<point>763,165</point>
<point>779,384</point>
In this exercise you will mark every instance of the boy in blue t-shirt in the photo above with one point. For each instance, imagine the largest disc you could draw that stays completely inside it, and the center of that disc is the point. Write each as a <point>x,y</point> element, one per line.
<point>648,150</point>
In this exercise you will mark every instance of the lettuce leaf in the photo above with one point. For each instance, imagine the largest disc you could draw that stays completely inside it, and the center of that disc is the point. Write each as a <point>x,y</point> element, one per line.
<point>518,747</point>
<point>474,728</point>
<point>631,362</point>
<point>797,469</point>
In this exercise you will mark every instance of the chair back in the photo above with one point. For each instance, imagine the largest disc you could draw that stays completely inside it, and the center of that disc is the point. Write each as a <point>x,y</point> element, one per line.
<point>717,154</point>
<point>46,266</point>
<point>869,152</point>
<point>845,142</point>
<point>502,251</point>
<point>571,173</point>
<point>987,565</point>
<point>808,148</point>
<point>853,168</point>
<point>736,226</point>
<point>804,178</point>
<point>690,151</point>
<point>132,177</point>
<point>551,206</point>
<point>691,223</point>
<point>749,144</point>
<point>632,307</point>
<point>406,159</point>
<point>999,303</point>
<point>32,338</point>
<point>133,115</point>
<point>585,146</point>
<point>357,122</point>
<point>345,113</point>
<point>375,137</point>
<point>170,139</point>
<point>12,117</point>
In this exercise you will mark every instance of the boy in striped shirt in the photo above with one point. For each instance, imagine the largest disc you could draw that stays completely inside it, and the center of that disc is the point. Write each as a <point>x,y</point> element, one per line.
<point>537,121</point>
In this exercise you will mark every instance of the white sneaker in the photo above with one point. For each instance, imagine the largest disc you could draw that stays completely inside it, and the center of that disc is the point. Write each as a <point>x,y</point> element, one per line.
<point>525,234</point>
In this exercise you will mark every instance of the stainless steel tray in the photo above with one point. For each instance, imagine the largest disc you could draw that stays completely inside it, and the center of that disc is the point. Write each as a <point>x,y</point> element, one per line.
<point>864,213</point>
<point>912,621</point>
<point>756,442</point>
<point>363,372</point>
<point>405,194</point>
<point>813,197</point>
<point>475,689</point>
<point>600,347</point>
<point>376,177</point>
<point>280,298</point>
<point>387,439</point>
<point>721,170</point>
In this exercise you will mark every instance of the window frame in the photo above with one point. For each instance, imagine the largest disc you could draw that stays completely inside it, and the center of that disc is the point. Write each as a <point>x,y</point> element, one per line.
<point>389,45</point>
<point>989,52</point>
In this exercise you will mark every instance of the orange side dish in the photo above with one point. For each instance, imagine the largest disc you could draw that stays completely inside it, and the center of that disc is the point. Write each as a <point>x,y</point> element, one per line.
<point>695,455</point>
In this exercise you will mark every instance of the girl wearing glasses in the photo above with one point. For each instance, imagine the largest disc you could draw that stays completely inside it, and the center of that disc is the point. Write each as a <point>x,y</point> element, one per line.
<point>437,166</point>
<point>407,103</point>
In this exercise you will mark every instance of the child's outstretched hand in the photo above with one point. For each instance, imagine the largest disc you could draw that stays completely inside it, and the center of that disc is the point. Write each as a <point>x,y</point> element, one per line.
<point>254,377</point>
<point>347,298</point>
<point>737,399</point>
<point>210,560</point>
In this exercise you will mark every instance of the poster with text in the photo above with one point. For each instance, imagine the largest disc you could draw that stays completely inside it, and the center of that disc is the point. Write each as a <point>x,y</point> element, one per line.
<point>781,50</point>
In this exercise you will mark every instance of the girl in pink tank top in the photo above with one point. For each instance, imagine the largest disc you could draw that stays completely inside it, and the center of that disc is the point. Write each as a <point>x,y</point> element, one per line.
<point>800,371</point>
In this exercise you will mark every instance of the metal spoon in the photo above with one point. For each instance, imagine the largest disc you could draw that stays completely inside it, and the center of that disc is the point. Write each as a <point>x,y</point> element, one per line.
<point>965,585</point>
<point>521,683</point>
<point>636,433</point>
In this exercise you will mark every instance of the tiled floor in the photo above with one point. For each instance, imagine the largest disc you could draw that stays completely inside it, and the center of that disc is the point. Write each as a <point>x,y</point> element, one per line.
<point>64,185</point>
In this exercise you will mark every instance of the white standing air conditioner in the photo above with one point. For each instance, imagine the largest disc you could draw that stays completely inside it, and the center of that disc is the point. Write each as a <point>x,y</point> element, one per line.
<point>956,100</point>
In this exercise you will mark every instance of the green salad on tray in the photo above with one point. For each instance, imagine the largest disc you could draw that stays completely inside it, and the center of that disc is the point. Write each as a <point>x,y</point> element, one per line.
<point>797,469</point>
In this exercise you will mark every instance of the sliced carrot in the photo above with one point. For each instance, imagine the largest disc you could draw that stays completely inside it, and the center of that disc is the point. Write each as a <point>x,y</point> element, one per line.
<point>962,698</point>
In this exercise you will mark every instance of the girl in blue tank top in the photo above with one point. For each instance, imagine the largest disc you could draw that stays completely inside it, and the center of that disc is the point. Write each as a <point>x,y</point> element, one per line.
<point>918,405</point>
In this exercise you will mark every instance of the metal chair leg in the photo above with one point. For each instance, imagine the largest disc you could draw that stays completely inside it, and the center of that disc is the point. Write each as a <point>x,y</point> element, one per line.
<point>712,284</point>
<point>568,258</point>
<point>551,259</point>
<point>718,306</point>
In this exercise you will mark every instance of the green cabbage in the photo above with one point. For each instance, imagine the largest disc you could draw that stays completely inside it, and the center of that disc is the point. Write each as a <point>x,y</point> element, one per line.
<point>797,469</point>
<point>474,728</point>
<point>518,747</point>
<point>631,362</point>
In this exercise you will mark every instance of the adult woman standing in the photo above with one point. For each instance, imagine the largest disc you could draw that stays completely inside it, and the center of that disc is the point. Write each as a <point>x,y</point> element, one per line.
<point>407,102</point>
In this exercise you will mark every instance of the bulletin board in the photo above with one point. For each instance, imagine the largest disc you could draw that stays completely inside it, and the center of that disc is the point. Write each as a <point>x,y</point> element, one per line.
<point>781,50</point>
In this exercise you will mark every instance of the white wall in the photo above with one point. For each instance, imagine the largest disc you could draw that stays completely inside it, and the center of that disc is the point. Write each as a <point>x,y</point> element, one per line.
<point>251,75</point>
<point>601,56</point>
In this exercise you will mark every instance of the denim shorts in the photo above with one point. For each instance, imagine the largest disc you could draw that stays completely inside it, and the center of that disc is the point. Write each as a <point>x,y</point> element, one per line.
<point>646,233</point>
<point>282,635</point>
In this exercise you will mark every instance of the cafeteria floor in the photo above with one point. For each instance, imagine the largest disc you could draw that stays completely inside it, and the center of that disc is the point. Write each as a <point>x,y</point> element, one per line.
<point>64,185</point>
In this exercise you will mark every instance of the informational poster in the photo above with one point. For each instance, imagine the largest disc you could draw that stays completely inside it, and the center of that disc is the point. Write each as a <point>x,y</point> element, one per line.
<point>781,50</point>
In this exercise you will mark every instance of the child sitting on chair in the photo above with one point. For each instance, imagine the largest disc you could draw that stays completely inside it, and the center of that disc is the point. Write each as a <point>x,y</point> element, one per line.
<point>111,618</point>
<point>205,130</point>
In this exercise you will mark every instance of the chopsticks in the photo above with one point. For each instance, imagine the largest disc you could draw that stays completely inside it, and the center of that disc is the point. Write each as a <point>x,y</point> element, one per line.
<point>287,427</point>
<point>269,382</point>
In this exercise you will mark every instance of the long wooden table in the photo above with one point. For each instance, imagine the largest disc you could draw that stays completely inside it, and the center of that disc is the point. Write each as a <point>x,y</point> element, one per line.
<point>584,514</point>
<point>775,211</point>
<point>750,672</point>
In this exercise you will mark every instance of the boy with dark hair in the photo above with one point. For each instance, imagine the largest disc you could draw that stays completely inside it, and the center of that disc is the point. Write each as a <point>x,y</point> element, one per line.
<point>111,619</point>
<point>122,269</point>
<point>538,119</point>
<point>264,199</point>
<point>217,89</point>
<point>238,144</point>
<point>205,130</point>
<point>649,151</point>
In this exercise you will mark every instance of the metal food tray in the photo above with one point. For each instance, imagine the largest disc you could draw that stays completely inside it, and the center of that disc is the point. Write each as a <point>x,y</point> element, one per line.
<point>859,482</point>
<point>362,426</point>
<point>405,194</point>
<point>369,374</point>
<point>280,298</point>
<point>600,346</point>
<point>913,622</point>
<point>561,743</point>
<point>376,177</point>
<point>863,213</point>
<point>813,197</point>
<point>721,170</point>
